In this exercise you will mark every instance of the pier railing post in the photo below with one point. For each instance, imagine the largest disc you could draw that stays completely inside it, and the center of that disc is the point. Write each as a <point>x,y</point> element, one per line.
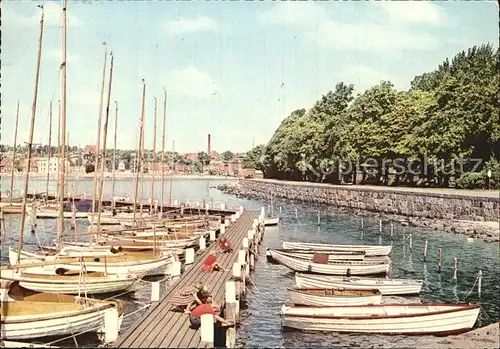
<point>189,256</point>
<point>226,222</point>
<point>203,243</point>
<point>111,325</point>
<point>237,214</point>
<point>222,228</point>
<point>231,312</point>
<point>213,236</point>
<point>222,206</point>
<point>155,291</point>
<point>241,210</point>
<point>207,329</point>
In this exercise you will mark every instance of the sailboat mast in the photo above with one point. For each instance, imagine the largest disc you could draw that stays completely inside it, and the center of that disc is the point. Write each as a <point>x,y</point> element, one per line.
<point>105,136</point>
<point>139,158</point>
<point>30,142</point>
<point>14,156</point>
<point>114,159</point>
<point>99,121</point>
<point>171,175</point>
<point>62,195</point>
<point>154,159</point>
<point>58,147</point>
<point>163,151</point>
<point>50,151</point>
<point>141,163</point>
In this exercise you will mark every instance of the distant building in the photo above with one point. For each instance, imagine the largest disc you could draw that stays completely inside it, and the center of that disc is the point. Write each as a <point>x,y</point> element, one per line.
<point>33,165</point>
<point>191,156</point>
<point>5,164</point>
<point>214,155</point>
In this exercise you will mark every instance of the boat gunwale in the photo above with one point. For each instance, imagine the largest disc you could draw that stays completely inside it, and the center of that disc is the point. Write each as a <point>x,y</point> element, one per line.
<point>303,290</point>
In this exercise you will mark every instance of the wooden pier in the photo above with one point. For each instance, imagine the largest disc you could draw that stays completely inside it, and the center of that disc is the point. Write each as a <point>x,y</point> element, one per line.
<point>161,326</point>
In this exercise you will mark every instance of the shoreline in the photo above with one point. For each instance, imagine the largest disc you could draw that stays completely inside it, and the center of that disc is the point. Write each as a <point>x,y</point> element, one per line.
<point>486,229</point>
<point>119,176</point>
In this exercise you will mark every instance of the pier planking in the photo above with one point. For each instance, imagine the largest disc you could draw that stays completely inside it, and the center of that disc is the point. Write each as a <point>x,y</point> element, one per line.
<point>160,327</point>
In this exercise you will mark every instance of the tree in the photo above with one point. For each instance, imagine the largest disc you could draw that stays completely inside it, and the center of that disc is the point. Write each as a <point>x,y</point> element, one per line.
<point>203,160</point>
<point>89,168</point>
<point>227,155</point>
<point>448,116</point>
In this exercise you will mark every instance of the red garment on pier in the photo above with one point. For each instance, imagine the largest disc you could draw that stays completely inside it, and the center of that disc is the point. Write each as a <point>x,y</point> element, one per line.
<point>203,309</point>
<point>209,261</point>
<point>225,246</point>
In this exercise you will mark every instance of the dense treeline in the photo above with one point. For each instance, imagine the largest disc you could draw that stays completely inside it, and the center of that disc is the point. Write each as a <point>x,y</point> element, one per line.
<point>444,131</point>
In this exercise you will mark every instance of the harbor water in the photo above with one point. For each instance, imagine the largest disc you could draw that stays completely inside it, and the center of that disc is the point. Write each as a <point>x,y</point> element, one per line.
<point>267,291</point>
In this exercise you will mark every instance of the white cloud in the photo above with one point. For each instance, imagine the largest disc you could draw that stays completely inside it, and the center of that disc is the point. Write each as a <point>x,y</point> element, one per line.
<point>192,82</point>
<point>413,11</point>
<point>364,77</point>
<point>52,17</point>
<point>293,13</point>
<point>385,32</point>
<point>57,55</point>
<point>186,25</point>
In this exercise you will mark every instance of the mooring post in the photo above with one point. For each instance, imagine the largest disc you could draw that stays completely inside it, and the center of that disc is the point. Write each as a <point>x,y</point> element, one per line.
<point>242,209</point>
<point>222,228</point>
<point>222,206</point>
<point>155,291</point>
<point>242,257</point>
<point>226,222</point>
<point>73,217</point>
<point>380,226</point>
<point>237,214</point>
<point>189,256</point>
<point>455,269</point>
<point>296,213</point>
<point>280,210</point>
<point>2,222</point>
<point>207,329</point>
<point>111,325</point>
<point>425,250</point>
<point>233,218</point>
<point>319,218</point>
<point>479,282</point>
<point>213,236</point>
<point>362,223</point>
<point>411,242</point>
<point>203,243</point>
<point>392,229</point>
<point>440,259</point>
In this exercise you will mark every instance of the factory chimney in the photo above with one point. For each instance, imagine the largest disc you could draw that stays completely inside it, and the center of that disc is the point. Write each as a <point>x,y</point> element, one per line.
<point>209,150</point>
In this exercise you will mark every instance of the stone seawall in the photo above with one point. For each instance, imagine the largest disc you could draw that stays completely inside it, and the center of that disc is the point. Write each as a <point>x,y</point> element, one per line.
<point>390,201</point>
<point>471,213</point>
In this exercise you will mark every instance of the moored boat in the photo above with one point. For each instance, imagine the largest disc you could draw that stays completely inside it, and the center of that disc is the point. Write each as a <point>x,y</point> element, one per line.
<point>322,297</point>
<point>28,314</point>
<point>370,250</point>
<point>340,268</point>
<point>385,286</point>
<point>270,221</point>
<point>414,319</point>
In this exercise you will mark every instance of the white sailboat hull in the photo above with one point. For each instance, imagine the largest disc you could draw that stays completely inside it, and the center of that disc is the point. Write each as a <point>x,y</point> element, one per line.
<point>53,324</point>
<point>303,265</point>
<point>369,250</point>
<point>41,213</point>
<point>303,298</point>
<point>383,319</point>
<point>385,286</point>
<point>90,285</point>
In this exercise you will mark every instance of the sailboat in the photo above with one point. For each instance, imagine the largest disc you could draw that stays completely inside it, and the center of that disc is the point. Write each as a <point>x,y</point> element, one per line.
<point>271,220</point>
<point>29,314</point>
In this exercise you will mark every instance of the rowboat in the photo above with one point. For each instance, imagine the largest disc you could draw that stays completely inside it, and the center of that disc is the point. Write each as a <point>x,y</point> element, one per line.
<point>323,297</point>
<point>54,213</point>
<point>71,282</point>
<point>27,314</point>
<point>16,344</point>
<point>370,250</point>
<point>340,268</point>
<point>332,255</point>
<point>385,286</point>
<point>414,319</point>
<point>271,221</point>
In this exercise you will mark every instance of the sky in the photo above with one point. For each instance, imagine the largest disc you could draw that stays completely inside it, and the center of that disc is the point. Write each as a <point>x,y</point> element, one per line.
<point>234,70</point>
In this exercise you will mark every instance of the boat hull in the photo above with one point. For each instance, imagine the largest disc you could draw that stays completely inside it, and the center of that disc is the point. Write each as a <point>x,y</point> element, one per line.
<point>343,297</point>
<point>302,265</point>
<point>369,250</point>
<point>383,319</point>
<point>385,286</point>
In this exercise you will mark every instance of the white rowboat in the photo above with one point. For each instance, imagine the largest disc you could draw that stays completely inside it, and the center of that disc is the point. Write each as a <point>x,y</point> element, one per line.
<point>321,297</point>
<point>416,319</point>
<point>271,221</point>
<point>385,286</point>
<point>370,250</point>
<point>304,265</point>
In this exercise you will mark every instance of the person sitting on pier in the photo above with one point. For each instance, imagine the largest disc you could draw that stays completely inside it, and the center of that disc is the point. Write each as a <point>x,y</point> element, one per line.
<point>208,308</point>
<point>210,264</point>
<point>225,245</point>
